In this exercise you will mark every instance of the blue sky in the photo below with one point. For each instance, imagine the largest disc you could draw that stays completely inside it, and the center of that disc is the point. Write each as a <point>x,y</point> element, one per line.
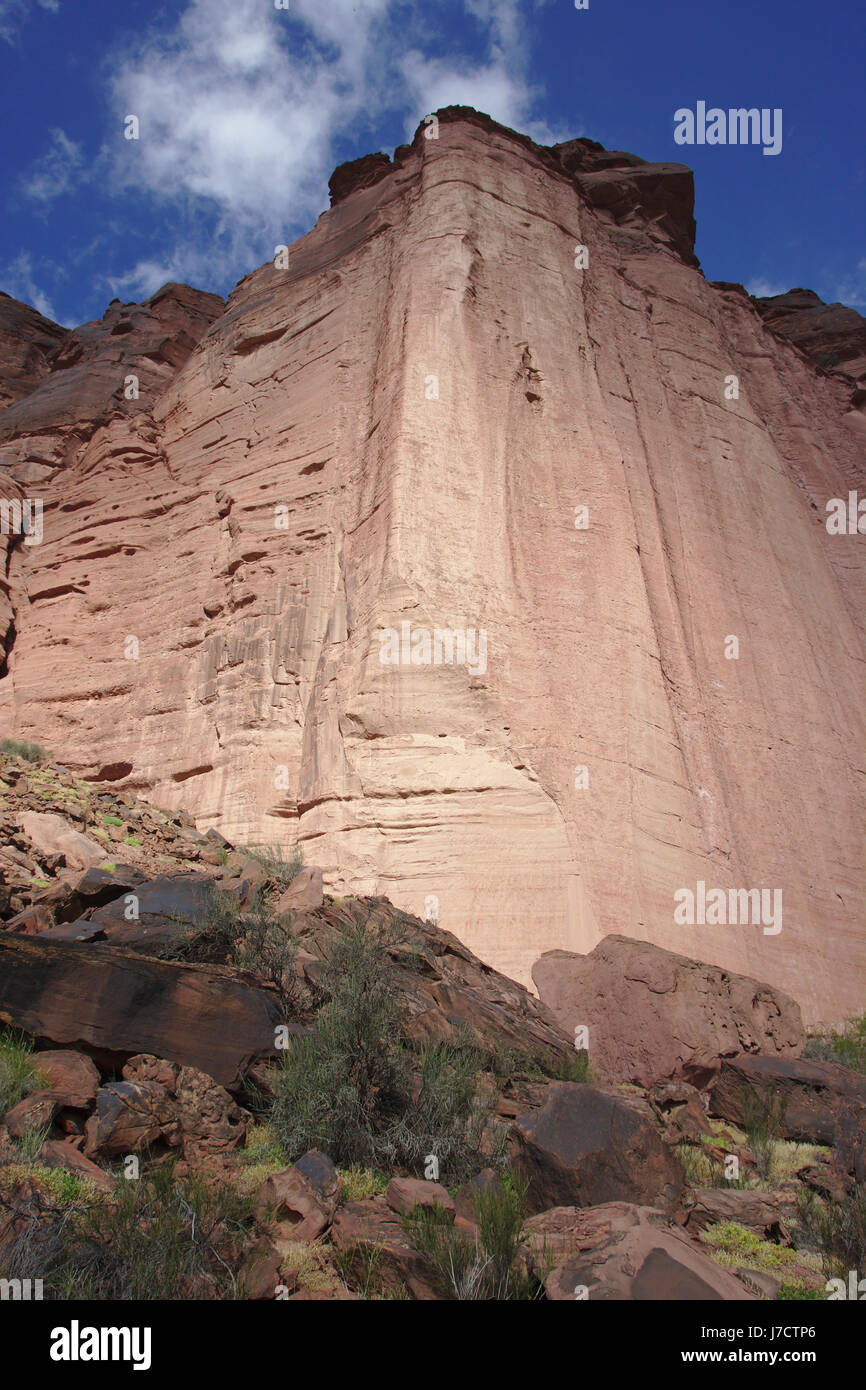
<point>245,109</point>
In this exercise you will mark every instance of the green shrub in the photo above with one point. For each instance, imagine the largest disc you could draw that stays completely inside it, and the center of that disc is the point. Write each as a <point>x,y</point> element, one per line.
<point>847,1047</point>
<point>488,1268</point>
<point>161,1238</point>
<point>280,870</point>
<point>18,748</point>
<point>18,1075</point>
<point>347,1089</point>
<point>342,1089</point>
<point>763,1121</point>
<point>794,1289</point>
<point>837,1228</point>
<point>705,1170</point>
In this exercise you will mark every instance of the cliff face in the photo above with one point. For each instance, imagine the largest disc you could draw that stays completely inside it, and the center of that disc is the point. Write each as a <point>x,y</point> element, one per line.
<point>398,429</point>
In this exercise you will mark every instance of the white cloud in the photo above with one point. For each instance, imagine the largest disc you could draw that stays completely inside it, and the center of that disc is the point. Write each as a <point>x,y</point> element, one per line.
<point>241,108</point>
<point>852,290</point>
<point>57,172</point>
<point>17,280</point>
<point>13,13</point>
<point>765,289</point>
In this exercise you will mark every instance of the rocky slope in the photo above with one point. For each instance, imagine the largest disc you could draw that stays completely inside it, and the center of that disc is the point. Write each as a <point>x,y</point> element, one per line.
<point>399,428</point>
<point>149,1095</point>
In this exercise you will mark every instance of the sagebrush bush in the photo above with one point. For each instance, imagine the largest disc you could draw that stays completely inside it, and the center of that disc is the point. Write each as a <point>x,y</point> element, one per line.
<point>763,1122</point>
<point>350,1088</point>
<point>255,940</point>
<point>280,866</point>
<point>19,748</point>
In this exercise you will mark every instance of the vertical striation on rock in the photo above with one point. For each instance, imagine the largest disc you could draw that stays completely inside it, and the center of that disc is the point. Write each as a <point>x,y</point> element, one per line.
<point>398,429</point>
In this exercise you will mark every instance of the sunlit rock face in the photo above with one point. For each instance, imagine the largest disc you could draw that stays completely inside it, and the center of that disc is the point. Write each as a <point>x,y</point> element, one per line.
<point>491,397</point>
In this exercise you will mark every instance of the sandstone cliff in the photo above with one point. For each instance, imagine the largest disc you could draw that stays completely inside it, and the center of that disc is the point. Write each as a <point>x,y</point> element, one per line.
<point>399,428</point>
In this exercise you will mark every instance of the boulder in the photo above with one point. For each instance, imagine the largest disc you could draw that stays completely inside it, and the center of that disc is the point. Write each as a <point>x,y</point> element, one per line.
<point>654,1015</point>
<point>821,1102</point>
<point>51,834</point>
<point>623,1252</point>
<point>304,894</point>
<point>130,1115</point>
<point>210,1120</point>
<point>69,1074</point>
<point>117,1004</point>
<point>33,1112</point>
<point>169,908</point>
<point>301,1199</point>
<point>768,1214</point>
<point>405,1194</point>
<point>55,1154</point>
<point>588,1145</point>
<point>260,1273</point>
<point>362,1228</point>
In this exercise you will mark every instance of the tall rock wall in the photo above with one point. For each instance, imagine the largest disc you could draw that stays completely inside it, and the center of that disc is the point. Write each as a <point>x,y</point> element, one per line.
<point>398,429</point>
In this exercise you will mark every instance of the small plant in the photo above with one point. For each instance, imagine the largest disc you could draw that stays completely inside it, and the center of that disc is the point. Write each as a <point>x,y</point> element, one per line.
<point>162,1237</point>
<point>702,1169</point>
<point>30,1141</point>
<point>359,1183</point>
<point>490,1267</point>
<point>348,1088</point>
<point>112,820</point>
<point>846,1047</point>
<point>736,1246</point>
<point>18,1075</point>
<point>794,1289</point>
<point>763,1121</point>
<point>837,1228</point>
<point>280,870</point>
<point>18,748</point>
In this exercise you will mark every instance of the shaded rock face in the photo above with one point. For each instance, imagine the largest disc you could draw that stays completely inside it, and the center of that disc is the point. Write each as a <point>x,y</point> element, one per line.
<point>120,1005</point>
<point>28,343</point>
<point>830,335</point>
<point>654,1015</point>
<point>397,429</point>
<point>819,1102</point>
<point>586,1145</point>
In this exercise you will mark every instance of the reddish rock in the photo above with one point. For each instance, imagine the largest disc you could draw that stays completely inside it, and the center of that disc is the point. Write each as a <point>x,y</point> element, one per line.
<point>54,1154</point>
<point>586,1146</point>
<point>652,1014</point>
<point>301,1199</point>
<point>260,1273</point>
<point>405,1194</point>
<point>33,1112</point>
<point>71,1075</point>
<point>621,1252</point>
<point>360,1228</point>
<point>821,1102</point>
<point>122,1004</point>
<point>769,1214</point>
<point>454,789</point>
<point>51,834</point>
<point>130,1115</point>
<point>304,893</point>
